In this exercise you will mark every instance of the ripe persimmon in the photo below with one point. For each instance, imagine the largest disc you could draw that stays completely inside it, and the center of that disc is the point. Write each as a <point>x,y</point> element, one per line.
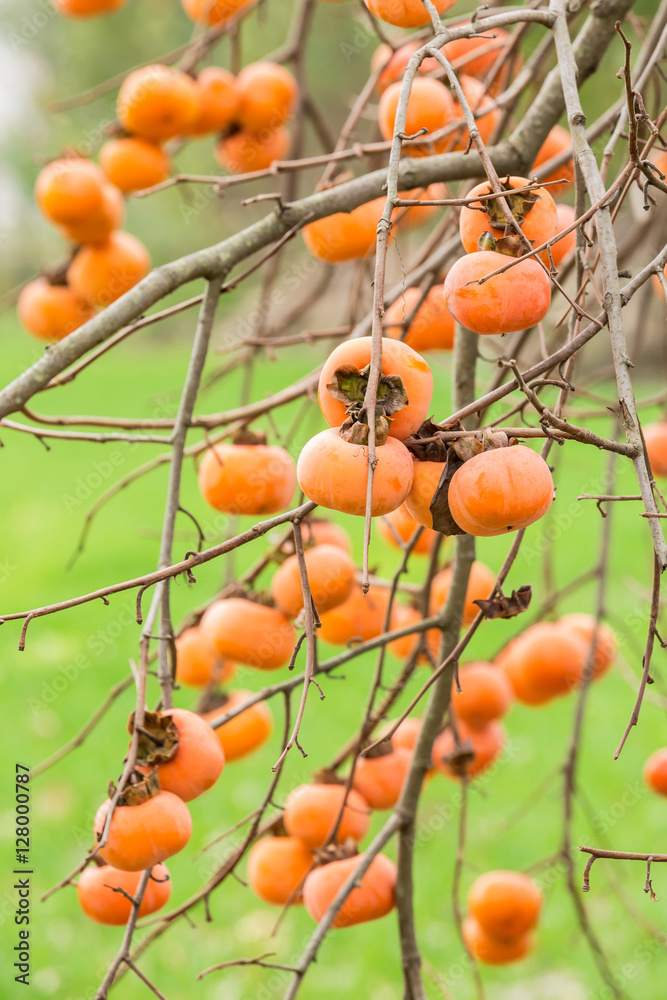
<point>373,898</point>
<point>480,585</point>
<point>407,733</point>
<point>432,327</point>
<point>247,731</point>
<point>430,106</point>
<point>587,628</point>
<point>486,115</point>
<point>197,663</point>
<point>277,867</point>
<point>500,490</point>
<point>157,102</point>
<point>655,771</point>
<point>316,532</point>
<point>198,761</point>
<point>331,576</point>
<point>311,812</point>
<point>394,63</point>
<point>405,13</point>
<point>248,632</point>
<point>102,272</point>
<point>345,235</point>
<point>493,951</point>
<point>514,300</point>
<point>213,12</point>
<point>244,152</point>
<point>247,478</point>
<point>403,615</point>
<point>425,479</point>
<point>506,904</point>
<point>142,835</point>
<point>86,8</point>
<point>49,311</point>
<point>557,141</point>
<point>267,96</point>
<point>69,190</point>
<point>486,745</point>
<point>401,522</point>
<point>358,618</point>
<point>535,212</point>
<point>380,778</point>
<point>655,439</point>
<point>132,164</point>
<point>475,56</point>
<point>98,225</point>
<point>218,101</point>
<point>485,694</point>
<point>99,898</point>
<point>333,473</point>
<point>563,248</point>
<point>397,359</point>
<point>545,661</point>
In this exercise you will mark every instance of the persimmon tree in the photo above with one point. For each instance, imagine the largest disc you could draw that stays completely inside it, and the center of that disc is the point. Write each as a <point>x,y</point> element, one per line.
<point>467,137</point>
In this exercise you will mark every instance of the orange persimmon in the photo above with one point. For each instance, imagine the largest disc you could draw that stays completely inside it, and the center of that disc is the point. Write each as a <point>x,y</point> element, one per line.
<point>277,867</point>
<point>655,771</point>
<point>587,628</point>
<point>157,102</point>
<point>331,575</point>
<point>333,473</point>
<point>401,522</point>
<point>218,101</point>
<point>133,164</point>
<point>345,235</point>
<point>514,300</point>
<point>559,251</point>
<point>655,439</point>
<point>556,142</point>
<point>98,226</point>
<point>380,779</point>
<point>373,898</point>
<point>358,618</point>
<point>197,663</point>
<point>267,95</point>
<point>432,326</point>
<point>545,661</point>
<point>430,106</point>
<point>214,12</point>
<point>405,13</point>
<point>487,744</point>
<point>102,272</point>
<point>311,812</point>
<point>87,8</point>
<point>247,478</point>
<point>485,694</point>
<point>480,585</point>
<point>426,476</point>
<point>49,311</point>
<point>99,899</point>
<point>244,152</point>
<point>69,190</point>
<point>251,633</point>
<point>198,761</point>
<point>538,224</point>
<point>397,359</point>
<point>247,731</point>
<point>493,951</point>
<point>142,835</point>
<point>506,904</point>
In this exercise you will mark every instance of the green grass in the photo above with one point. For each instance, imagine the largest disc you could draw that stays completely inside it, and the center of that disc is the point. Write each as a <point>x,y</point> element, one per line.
<point>72,659</point>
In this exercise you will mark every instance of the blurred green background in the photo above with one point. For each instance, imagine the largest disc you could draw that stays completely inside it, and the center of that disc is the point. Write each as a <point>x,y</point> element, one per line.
<point>73,659</point>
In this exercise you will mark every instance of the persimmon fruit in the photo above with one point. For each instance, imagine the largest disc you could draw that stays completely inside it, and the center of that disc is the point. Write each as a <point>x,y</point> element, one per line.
<point>655,439</point>
<point>345,235</point>
<point>514,300</point>
<point>480,585</point>
<point>132,163</point>
<point>401,522</point>
<point>588,629</point>
<point>247,731</point>
<point>331,576</point>
<point>430,106</point>
<point>556,142</point>
<point>141,836</point>
<point>198,761</point>
<point>563,248</point>
<point>405,13</point>
<point>397,359</point>
<point>494,951</point>
<point>249,632</point>
<point>247,478</point>
<point>277,867</point>
<point>98,226</point>
<point>333,473</point>
<point>267,95</point>
<point>197,662</point>
<point>316,532</point>
<point>359,618</point>
<point>244,152</point>
<point>544,662</point>
<point>432,326</point>
<point>51,312</point>
<point>213,12</point>
<point>655,771</point>
<point>69,190</point>
<point>87,8</point>
<point>311,812</point>
<point>372,899</point>
<point>99,901</point>
<point>425,479</point>
<point>102,272</point>
<point>157,102</point>
<point>538,224</point>
<point>506,904</point>
<point>486,743</point>
<point>485,694</point>
<point>218,101</point>
<point>380,779</point>
<point>500,490</point>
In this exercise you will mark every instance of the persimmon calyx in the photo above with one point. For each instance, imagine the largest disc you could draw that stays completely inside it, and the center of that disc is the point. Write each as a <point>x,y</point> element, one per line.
<point>327,776</point>
<point>157,739</point>
<point>384,749</point>
<point>246,436</point>
<point>511,245</point>
<point>336,852</point>
<point>460,758</point>
<point>137,791</point>
<point>520,204</point>
<point>348,385</point>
